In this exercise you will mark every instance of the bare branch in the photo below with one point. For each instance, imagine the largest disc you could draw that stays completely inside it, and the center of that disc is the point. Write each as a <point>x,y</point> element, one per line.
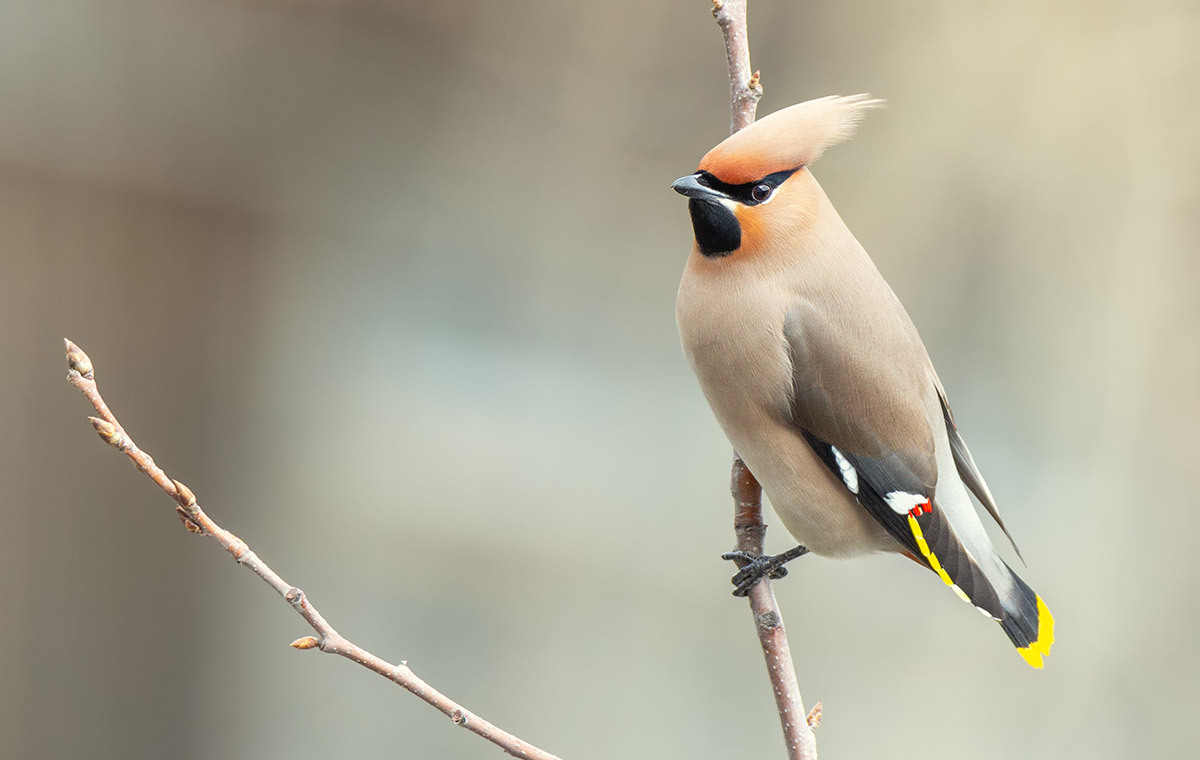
<point>745,90</point>
<point>744,86</point>
<point>751,534</point>
<point>196,520</point>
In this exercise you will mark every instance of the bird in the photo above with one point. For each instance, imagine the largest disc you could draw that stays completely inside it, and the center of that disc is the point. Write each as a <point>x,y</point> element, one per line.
<point>817,375</point>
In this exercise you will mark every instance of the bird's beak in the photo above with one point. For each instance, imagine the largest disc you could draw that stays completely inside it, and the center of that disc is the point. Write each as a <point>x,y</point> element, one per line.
<point>691,187</point>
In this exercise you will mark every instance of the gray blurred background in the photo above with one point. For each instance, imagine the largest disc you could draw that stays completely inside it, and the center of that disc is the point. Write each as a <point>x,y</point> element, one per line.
<point>391,286</point>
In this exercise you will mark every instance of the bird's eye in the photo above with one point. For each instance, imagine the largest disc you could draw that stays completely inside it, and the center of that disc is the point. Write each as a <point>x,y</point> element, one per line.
<point>761,192</point>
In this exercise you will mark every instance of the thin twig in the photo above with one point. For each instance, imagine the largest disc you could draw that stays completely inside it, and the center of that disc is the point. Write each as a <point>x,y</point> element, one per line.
<point>82,376</point>
<point>751,533</point>
<point>744,87</point>
<point>744,93</point>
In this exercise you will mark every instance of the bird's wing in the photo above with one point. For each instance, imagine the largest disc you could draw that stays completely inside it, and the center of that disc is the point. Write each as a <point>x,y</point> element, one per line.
<point>860,407</point>
<point>968,470</point>
<point>860,397</point>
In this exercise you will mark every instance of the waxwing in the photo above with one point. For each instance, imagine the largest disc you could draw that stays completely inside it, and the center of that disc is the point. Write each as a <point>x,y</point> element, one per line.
<point>819,379</point>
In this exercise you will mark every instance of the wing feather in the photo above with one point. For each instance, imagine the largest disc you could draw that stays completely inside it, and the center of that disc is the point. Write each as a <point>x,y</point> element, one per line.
<point>861,407</point>
<point>969,471</point>
<point>863,398</point>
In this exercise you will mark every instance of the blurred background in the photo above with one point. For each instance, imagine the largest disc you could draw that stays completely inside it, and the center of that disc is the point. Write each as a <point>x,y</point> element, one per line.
<point>391,285</point>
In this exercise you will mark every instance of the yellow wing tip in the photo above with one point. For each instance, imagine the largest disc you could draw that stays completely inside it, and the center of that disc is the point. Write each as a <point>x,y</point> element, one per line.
<point>1038,648</point>
<point>1033,658</point>
<point>1041,646</point>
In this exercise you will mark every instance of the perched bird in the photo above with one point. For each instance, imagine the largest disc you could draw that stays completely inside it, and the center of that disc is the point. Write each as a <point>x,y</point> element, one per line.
<point>819,379</point>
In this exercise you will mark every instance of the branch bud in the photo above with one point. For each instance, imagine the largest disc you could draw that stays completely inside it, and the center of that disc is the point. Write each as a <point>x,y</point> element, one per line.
<point>184,495</point>
<point>306,642</point>
<point>186,519</point>
<point>78,360</point>
<point>108,432</point>
<point>814,716</point>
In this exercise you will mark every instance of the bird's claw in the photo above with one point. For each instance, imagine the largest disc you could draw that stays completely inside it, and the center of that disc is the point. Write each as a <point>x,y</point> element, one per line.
<point>753,568</point>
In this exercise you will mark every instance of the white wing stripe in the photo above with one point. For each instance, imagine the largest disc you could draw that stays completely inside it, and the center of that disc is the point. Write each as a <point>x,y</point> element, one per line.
<point>902,502</point>
<point>849,474</point>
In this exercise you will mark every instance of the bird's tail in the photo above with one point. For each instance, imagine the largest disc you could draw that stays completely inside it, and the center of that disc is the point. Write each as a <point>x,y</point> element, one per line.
<point>997,592</point>
<point>1026,619</point>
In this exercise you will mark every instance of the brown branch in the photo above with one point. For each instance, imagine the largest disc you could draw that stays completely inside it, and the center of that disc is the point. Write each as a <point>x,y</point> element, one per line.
<point>744,93</point>
<point>744,87</point>
<point>751,533</point>
<point>82,376</point>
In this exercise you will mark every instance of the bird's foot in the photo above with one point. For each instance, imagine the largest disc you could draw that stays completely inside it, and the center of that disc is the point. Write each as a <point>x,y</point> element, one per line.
<point>753,568</point>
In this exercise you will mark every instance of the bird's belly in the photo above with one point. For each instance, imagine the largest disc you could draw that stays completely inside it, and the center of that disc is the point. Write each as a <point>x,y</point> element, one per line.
<point>813,504</point>
<point>733,338</point>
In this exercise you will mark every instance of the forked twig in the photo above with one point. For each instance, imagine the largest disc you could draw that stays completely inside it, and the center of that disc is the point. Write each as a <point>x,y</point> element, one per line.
<point>82,375</point>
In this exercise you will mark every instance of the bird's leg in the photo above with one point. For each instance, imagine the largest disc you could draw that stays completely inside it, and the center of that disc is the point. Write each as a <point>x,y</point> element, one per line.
<point>755,568</point>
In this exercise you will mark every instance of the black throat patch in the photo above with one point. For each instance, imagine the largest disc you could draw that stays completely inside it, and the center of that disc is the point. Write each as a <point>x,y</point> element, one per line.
<point>717,230</point>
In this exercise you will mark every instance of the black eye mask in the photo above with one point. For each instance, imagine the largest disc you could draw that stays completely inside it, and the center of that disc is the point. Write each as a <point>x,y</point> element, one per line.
<point>744,193</point>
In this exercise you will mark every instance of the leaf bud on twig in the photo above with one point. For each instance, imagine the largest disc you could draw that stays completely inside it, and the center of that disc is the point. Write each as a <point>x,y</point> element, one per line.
<point>184,495</point>
<point>108,432</point>
<point>78,360</point>
<point>186,519</point>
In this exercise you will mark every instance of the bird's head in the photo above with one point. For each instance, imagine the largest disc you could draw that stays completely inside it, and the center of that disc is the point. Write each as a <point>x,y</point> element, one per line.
<point>753,188</point>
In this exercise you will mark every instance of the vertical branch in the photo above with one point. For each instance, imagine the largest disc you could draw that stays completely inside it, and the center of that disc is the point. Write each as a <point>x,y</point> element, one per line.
<point>749,528</point>
<point>751,534</point>
<point>744,88</point>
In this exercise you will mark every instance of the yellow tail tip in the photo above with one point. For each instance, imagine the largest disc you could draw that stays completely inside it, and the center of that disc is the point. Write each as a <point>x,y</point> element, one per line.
<point>1045,637</point>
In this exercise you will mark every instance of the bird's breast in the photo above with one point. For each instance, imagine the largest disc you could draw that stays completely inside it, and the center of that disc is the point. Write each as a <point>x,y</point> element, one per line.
<point>731,326</point>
